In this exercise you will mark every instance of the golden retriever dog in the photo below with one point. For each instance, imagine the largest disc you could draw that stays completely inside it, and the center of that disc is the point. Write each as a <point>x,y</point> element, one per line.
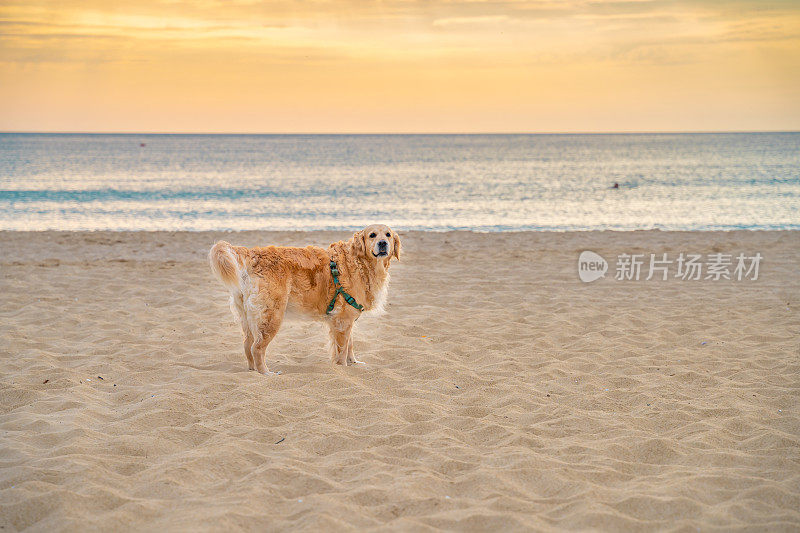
<point>262,281</point>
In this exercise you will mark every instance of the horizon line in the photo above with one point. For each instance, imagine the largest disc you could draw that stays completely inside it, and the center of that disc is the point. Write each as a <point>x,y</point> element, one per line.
<point>620,132</point>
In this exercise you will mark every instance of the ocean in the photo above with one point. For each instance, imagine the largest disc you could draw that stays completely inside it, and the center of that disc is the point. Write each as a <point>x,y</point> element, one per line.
<point>715,181</point>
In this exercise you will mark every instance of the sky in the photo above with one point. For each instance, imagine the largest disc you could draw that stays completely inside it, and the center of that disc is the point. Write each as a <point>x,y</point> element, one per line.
<point>399,66</point>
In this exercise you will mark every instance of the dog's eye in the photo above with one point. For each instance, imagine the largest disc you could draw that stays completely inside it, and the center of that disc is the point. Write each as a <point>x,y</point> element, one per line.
<point>388,234</point>
<point>372,235</point>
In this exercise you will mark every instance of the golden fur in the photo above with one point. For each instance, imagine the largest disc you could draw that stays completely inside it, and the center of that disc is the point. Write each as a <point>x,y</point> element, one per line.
<point>262,281</point>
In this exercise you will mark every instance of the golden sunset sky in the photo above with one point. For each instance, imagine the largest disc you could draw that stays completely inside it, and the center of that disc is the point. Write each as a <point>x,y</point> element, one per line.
<point>399,66</point>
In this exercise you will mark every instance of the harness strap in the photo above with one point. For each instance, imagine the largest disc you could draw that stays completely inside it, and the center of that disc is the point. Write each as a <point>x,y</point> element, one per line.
<point>340,290</point>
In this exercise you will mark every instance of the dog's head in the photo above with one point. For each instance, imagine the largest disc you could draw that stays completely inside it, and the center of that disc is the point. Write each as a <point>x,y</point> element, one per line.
<point>377,242</point>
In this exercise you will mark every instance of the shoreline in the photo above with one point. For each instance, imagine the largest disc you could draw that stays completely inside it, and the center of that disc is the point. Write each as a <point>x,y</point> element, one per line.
<point>196,243</point>
<point>475,231</point>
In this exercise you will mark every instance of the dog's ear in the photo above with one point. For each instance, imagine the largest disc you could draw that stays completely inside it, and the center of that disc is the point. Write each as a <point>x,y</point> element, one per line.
<point>358,243</point>
<point>396,247</point>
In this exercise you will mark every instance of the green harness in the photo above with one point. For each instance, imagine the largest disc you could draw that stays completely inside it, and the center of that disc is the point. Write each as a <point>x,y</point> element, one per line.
<point>340,290</point>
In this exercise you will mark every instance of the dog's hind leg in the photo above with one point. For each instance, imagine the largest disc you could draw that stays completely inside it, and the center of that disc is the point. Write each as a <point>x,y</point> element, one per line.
<point>239,311</point>
<point>267,328</point>
<point>248,345</point>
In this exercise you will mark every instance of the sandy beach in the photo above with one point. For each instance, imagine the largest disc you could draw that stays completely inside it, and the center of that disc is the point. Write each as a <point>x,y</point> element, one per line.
<point>499,393</point>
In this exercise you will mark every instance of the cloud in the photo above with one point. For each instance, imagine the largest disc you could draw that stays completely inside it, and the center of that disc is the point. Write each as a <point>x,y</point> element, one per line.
<point>769,30</point>
<point>462,21</point>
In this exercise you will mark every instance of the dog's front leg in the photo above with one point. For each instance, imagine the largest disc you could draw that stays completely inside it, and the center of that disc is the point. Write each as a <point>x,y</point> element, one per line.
<point>351,358</point>
<point>340,330</point>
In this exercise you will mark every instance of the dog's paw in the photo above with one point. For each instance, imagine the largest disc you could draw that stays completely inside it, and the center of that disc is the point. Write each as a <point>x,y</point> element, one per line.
<point>356,362</point>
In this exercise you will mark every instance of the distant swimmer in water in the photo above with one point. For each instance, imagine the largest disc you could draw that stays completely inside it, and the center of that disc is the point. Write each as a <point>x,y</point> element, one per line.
<point>616,185</point>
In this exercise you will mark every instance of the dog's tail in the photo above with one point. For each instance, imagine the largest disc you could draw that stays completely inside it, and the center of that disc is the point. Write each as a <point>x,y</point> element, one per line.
<point>224,261</point>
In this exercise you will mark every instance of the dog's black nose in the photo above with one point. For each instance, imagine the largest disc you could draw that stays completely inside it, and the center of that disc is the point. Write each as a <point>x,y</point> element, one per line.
<point>382,245</point>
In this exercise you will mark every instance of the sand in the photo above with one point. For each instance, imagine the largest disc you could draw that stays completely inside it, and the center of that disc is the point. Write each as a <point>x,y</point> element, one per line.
<point>500,392</point>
